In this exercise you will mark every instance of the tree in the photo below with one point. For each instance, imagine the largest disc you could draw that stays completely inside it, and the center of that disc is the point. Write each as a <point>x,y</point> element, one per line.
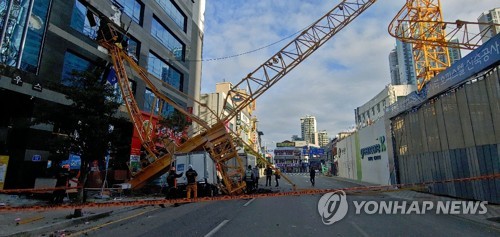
<point>175,125</point>
<point>85,123</point>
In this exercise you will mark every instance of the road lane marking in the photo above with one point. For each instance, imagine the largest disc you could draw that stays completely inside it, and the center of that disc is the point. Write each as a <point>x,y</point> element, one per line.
<point>248,203</point>
<point>359,229</point>
<point>212,232</point>
<point>85,231</point>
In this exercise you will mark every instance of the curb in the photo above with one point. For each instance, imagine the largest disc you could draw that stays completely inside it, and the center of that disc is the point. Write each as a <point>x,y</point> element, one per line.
<point>62,224</point>
<point>361,183</point>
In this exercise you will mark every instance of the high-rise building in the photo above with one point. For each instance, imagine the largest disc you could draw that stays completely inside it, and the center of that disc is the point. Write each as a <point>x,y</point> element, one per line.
<point>308,129</point>
<point>323,138</point>
<point>491,16</point>
<point>401,64</point>
<point>46,40</point>
<point>406,63</point>
<point>394,67</point>
<point>454,53</point>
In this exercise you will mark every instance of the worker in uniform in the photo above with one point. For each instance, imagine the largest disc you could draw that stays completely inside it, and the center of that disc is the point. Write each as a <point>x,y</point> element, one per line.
<point>256,175</point>
<point>172,183</point>
<point>249,178</point>
<point>192,185</point>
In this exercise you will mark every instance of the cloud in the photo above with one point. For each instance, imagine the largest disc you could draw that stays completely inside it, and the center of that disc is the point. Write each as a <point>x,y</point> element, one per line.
<point>350,69</point>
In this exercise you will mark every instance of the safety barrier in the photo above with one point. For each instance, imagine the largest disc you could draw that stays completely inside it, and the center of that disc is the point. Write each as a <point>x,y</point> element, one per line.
<point>158,201</point>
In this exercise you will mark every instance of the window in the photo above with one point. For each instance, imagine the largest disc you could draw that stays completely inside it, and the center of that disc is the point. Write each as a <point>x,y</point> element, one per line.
<point>134,48</point>
<point>164,71</point>
<point>73,63</point>
<point>132,8</point>
<point>167,39</point>
<point>13,31</point>
<point>34,38</point>
<point>81,23</point>
<point>173,12</point>
<point>378,108</point>
<point>118,91</point>
<point>149,99</point>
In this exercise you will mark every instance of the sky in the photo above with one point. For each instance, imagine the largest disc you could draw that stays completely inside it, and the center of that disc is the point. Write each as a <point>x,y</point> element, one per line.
<point>346,72</point>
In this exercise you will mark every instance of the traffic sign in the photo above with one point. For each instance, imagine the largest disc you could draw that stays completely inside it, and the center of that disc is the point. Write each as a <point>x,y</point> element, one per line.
<point>36,158</point>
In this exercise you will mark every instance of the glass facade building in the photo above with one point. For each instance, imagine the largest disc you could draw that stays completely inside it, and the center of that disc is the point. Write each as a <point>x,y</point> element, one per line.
<point>157,33</point>
<point>22,36</point>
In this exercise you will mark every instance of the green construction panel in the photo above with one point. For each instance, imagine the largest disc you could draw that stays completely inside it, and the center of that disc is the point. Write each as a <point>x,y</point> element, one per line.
<point>359,170</point>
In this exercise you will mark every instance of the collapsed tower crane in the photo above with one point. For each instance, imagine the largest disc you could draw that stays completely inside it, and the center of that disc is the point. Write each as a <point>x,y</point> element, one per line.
<point>213,136</point>
<point>420,22</point>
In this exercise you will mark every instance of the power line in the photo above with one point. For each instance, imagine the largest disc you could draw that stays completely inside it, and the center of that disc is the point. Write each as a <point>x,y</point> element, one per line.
<point>244,53</point>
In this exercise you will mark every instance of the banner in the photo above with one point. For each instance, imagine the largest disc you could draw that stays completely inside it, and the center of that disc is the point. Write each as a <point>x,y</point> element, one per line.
<point>135,163</point>
<point>4,162</point>
<point>285,144</point>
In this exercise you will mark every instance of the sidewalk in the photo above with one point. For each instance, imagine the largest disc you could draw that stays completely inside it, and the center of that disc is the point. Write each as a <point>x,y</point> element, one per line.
<point>33,223</point>
<point>491,218</point>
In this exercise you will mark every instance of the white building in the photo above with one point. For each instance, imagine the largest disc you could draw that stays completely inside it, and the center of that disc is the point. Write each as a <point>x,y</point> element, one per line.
<point>375,108</point>
<point>491,16</point>
<point>244,124</point>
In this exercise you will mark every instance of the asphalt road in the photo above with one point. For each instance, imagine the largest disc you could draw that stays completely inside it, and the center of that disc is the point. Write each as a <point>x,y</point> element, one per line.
<point>280,216</point>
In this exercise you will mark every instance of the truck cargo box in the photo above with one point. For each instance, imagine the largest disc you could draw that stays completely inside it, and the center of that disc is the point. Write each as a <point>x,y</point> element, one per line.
<point>205,167</point>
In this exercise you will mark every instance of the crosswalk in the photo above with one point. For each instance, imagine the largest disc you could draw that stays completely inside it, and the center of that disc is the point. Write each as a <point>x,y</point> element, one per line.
<point>299,174</point>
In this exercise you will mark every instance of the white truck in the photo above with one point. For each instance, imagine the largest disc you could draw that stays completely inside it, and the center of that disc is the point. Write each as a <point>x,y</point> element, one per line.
<point>205,167</point>
<point>248,159</point>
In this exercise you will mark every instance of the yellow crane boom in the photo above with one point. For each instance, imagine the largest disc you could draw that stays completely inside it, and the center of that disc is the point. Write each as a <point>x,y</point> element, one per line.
<point>221,143</point>
<point>420,23</point>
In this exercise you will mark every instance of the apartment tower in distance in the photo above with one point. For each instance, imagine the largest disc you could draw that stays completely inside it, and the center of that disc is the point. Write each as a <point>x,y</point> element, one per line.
<point>309,129</point>
<point>491,16</point>
<point>323,138</point>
